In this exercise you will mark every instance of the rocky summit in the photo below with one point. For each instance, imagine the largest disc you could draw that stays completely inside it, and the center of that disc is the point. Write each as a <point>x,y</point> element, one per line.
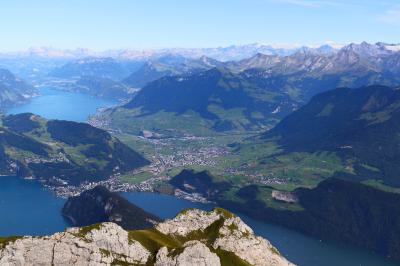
<point>193,237</point>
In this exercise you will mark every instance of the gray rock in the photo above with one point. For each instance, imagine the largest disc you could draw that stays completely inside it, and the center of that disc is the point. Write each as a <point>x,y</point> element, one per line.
<point>187,222</point>
<point>237,237</point>
<point>194,253</point>
<point>194,237</point>
<point>99,246</point>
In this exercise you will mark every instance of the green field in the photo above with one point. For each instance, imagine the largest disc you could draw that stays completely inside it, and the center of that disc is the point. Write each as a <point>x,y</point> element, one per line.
<point>248,160</point>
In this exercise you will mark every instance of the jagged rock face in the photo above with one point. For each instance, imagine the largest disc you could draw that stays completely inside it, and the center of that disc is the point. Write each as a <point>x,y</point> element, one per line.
<point>187,222</point>
<point>117,242</point>
<point>194,237</point>
<point>195,253</point>
<point>103,245</point>
<point>235,236</point>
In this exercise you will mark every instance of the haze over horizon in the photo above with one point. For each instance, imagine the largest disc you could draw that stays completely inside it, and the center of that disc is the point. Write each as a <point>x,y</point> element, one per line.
<point>139,49</point>
<point>121,24</point>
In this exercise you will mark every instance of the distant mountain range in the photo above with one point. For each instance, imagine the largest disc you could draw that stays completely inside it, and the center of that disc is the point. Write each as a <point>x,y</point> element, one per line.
<point>363,61</point>
<point>139,68</point>
<point>252,93</point>
<point>169,66</point>
<point>92,66</point>
<point>276,82</point>
<point>93,85</point>
<point>31,69</point>
<point>13,90</point>
<point>233,52</point>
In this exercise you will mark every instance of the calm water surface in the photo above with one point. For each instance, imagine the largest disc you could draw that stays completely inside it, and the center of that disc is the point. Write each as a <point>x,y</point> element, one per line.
<point>28,209</point>
<point>56,104</point>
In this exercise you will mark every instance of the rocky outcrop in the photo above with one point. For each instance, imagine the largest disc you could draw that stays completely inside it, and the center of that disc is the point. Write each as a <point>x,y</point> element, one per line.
<point>101,245</point>
<point>235,236</point>
<point>194,253</point>
<point>224,231</point>
<point>194,237</point>
<point>284,196</point>
<point>187,222</point>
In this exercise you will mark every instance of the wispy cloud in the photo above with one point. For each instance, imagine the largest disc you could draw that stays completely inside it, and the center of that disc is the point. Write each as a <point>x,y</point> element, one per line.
<point>309,3</point>
<point>391,16</point>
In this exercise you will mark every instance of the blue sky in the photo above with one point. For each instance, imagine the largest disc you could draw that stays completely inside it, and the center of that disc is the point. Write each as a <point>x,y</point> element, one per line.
<point>110,24</point>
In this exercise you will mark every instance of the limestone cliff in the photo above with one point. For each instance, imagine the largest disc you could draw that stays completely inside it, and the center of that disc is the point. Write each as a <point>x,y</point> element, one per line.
<point>193,237</point>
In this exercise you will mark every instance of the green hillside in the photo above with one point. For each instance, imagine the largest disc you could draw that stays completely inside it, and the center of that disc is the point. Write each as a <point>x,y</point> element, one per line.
<point>361,126</point>
<point>62,151</point>
<point>212,101</point>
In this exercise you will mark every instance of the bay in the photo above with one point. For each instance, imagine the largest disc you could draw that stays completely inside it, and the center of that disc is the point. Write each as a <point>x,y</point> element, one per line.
<point>63,105</point>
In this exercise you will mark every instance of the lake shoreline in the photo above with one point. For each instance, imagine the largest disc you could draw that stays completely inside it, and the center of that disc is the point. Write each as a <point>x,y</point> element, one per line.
<point>297,247</point>
<point>55,103</point>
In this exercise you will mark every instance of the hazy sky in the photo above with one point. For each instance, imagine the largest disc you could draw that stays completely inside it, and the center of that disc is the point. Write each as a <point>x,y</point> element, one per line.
<point>108,24</point>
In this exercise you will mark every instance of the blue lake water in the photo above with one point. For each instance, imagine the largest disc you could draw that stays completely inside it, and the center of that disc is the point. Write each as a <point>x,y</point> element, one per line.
<point>57,104</point>
<point>28,209</point>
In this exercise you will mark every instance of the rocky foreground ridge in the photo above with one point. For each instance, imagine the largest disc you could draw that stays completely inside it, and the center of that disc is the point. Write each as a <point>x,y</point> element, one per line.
<point>193,237</point>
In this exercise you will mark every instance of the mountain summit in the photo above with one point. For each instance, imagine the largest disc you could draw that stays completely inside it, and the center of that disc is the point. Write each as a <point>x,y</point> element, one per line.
<point>192,238</point>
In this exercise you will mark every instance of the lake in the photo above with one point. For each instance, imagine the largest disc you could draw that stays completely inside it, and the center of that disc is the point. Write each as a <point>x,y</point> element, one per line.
<point>58,104</point>
<point>26,208</point>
